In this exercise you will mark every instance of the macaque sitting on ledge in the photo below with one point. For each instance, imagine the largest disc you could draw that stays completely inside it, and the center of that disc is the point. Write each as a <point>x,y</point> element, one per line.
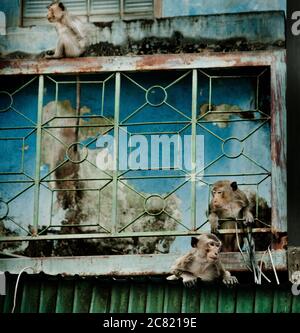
<point>229,202</point>
<point>202,262</point>
<point>72,33</point>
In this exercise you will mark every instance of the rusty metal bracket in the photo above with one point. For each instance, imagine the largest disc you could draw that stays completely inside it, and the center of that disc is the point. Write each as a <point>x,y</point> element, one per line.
<point>294,263</point>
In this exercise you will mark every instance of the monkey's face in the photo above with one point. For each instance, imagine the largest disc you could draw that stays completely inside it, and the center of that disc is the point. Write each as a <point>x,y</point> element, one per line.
<point>212,250</point>
<point>208,246</point>
<point>218,197</point>
<point>55,12</point>
<point>222,193</point>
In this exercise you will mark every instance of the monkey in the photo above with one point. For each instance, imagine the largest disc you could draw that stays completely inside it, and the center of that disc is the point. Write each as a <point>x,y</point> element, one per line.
<point>72,37</point>
<point>280,241</point>
<point>229,202</point>
<point>202,262</point>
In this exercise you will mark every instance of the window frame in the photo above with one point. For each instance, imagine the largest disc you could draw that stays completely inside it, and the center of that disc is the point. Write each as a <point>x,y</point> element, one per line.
<point>160,263</point>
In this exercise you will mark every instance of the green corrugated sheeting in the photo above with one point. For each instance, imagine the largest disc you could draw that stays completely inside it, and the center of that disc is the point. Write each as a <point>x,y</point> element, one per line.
<point>46,294</point>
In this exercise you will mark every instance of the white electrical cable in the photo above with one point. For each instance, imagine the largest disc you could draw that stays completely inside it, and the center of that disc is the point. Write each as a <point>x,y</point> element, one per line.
<point>248,249</point>
<point>17,284</point>
<point>239,246</point>
<point>249,268</point>
<point>260,269</point>
<point>274,269</point>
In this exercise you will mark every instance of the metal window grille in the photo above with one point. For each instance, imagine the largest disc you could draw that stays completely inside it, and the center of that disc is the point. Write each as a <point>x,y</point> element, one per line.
<point>53,191</point>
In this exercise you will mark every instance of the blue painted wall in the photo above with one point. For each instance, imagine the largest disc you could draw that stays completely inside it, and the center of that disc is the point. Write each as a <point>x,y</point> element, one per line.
<point>206,7</point>
<point>20,39</point>
<point>11,8</point>
<point>263,27</point>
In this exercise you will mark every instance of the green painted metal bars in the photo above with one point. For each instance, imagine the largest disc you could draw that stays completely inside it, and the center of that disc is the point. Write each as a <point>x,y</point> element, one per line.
<point>116,153</point>
<point>193,157</point>
<point>116,177</point>
<point>38,155</point>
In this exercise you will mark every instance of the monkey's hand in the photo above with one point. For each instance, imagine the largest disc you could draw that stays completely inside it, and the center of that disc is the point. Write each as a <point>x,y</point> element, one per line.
<point>229,280</point>
<point>213,220</point>
<point>189,280</point>
<point>248,217</point>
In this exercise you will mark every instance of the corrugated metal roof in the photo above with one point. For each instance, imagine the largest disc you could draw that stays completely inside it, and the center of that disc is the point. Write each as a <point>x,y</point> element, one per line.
<point>46,294</point>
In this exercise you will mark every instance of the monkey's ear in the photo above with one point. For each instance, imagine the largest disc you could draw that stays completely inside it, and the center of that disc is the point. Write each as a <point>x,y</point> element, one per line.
<point>61,6</point>
<point>234,186</point>
<point>194,241</point>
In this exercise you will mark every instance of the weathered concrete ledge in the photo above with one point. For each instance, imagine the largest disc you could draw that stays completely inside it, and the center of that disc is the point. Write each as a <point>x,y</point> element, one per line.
<point>146,62</point>
<point>221,33</point>
<point>124,265</point>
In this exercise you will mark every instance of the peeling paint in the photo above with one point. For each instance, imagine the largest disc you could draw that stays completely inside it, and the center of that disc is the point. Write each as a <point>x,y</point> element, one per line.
<point>147,62</point>
<point>76,204</point>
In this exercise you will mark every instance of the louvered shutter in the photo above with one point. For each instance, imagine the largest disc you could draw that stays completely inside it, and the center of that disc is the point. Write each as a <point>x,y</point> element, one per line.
<point>138,6</point>
<point>76,7</point>
<point>35,8</point>
<point>105,7</point>
<point>35,11</point>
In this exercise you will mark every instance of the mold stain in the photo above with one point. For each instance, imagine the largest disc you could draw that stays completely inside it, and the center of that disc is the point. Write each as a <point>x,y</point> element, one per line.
<point>82,193</point>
